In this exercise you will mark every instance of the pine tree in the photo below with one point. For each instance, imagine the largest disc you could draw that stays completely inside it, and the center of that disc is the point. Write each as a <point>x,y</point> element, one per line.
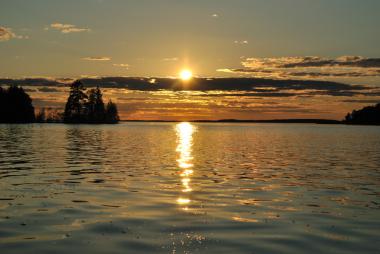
<point>3,99</point>
<point>75,106</point>
<point>112,115</point>
<point>95,106</point>
<point>99,109</point>
<point>88,108</point>
<point>41,116</point>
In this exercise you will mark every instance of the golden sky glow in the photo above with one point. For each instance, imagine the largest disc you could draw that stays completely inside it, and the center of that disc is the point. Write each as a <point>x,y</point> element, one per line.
<point>44,48</point>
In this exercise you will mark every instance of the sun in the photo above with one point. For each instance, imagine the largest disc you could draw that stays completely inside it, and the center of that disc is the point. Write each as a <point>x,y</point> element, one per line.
<point>186,74</point>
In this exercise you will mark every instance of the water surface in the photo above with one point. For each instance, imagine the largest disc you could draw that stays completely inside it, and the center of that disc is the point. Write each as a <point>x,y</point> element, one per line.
<point>189,188</point>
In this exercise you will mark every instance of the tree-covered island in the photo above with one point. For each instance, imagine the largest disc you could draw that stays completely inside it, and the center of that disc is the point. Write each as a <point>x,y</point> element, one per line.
<point>82,106</point>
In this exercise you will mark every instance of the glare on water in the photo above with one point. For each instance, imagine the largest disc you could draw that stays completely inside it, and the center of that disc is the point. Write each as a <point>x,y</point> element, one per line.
<point>184,133</point>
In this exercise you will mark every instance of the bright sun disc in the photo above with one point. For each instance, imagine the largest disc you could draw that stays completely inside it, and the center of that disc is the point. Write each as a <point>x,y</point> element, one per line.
<point>186,75</point>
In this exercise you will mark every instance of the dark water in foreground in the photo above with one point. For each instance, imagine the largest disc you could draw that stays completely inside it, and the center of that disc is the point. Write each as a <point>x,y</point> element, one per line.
<point>189,188</point>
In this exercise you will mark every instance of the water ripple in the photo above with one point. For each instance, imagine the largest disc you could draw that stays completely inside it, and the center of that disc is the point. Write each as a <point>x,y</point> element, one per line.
<point>189,188</point>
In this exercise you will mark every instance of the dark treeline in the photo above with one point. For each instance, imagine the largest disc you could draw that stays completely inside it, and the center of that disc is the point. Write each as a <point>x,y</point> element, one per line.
<point>81,107</point>
<point>15,106</point>
<point>87,106</point>
<point>368,115</point>
<point>49,115</point>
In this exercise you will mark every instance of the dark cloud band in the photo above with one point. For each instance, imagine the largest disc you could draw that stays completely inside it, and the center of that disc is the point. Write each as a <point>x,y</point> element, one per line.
<point>309,67</point>
<point>227,86</point>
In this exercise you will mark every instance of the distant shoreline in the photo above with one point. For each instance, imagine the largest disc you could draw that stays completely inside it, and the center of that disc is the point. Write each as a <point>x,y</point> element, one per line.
<point>313,121</point>
<point>279,121</point>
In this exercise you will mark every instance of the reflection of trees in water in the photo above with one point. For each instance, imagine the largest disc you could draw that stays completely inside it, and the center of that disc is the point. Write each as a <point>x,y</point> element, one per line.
<point>15,141</point>
<point>86,151</point>
<point>16,148</point>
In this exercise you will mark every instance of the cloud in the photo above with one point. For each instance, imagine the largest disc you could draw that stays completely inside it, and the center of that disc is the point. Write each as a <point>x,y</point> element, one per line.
<point>31,82</point>
<point>269,73</point>
<point>372,101</point>
<point>216,87</point>
<point>126,66</point>
<point>48,90</point>
<point>67,28</point>
<point>7,34</point>
<point>170,59</point>
<point>65,80</point>
<point>211,98</point>
<point>311,61</point>
<point>243,42</point>
<point>308,67</point>
<point>232,87</point>
<point>344,61</point>
<point>97,58</point>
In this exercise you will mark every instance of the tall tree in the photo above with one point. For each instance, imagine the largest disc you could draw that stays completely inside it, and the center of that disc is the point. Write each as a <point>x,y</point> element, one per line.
<point>41,116</point>
<point>99,108</point>
<point>3,104</point>
<point>112,115</point>
<point>95,106</point>
<point>88,108</point>
<point>75,106</point>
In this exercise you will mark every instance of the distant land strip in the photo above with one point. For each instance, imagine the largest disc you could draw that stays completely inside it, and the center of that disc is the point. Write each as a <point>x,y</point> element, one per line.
<point>312,121</point>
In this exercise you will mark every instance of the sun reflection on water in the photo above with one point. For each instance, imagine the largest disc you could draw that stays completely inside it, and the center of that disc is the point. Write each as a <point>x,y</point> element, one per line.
<point>184,133</point>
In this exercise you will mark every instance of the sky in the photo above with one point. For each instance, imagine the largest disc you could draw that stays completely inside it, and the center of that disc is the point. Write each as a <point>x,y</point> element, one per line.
<point>325,40</point>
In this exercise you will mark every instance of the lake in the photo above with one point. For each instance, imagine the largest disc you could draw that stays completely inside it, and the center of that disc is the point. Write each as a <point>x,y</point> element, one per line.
<point>189,188</point>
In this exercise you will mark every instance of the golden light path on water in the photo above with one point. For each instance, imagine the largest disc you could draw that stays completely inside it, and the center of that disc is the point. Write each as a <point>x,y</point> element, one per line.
<point>185,133</point>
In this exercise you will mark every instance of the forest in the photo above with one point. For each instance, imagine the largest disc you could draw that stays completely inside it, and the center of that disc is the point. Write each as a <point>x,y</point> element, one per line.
<point>369,115</point>
<point>82,106</point>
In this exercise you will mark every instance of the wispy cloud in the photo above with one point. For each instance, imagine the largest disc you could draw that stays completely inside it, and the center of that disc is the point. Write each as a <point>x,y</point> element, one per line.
<point>122,65</point>
<point>48,90</point>
<point>67,28</point>
<point>308,67</point>
<point>312,61</point>
<point>7,34</point>
<point>243,42</point>
<point>170,59</point>
<point>97,58</point>
<point>364,101</point>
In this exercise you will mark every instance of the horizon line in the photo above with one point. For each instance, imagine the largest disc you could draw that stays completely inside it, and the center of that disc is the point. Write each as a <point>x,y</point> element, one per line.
<point>285,120</point>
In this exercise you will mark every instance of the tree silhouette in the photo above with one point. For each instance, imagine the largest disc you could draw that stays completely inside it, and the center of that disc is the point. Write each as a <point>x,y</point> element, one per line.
<point>41,116</point>
<point>88,108</point>
<point>95,106</point>
<point>74,109</point>
<point>99,110</point>
<point>54,116</point>
<point>3,103</point>
<point>81,107</point>
<point>16,106</point>
<point>367,115</point>
<point>112,115</point>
